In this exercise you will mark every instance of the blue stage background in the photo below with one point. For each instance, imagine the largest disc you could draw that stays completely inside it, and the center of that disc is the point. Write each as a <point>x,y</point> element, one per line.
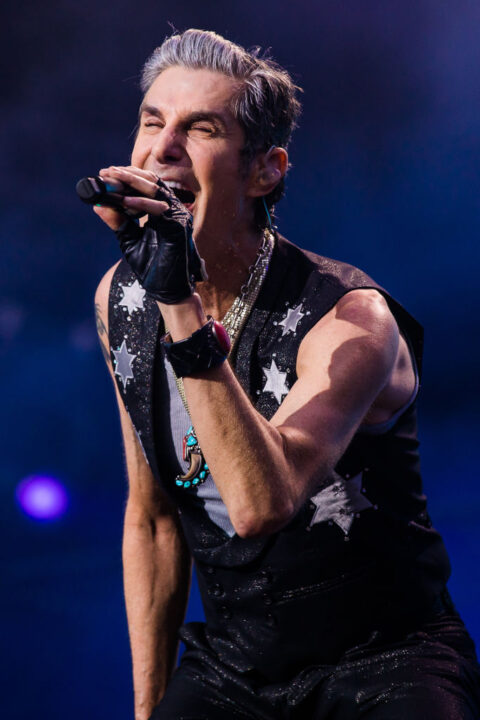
<point>385,175</point>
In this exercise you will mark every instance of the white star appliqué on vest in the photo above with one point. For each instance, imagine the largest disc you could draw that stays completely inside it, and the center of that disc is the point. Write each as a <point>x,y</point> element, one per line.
<point>291,319</point>
<point>340,502</point>
<point>123,363</point>
<point>132,297</point>
<point>276,381</point>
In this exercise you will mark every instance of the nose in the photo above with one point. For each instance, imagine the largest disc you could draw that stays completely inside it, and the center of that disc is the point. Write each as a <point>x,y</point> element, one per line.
<point>168,146</point>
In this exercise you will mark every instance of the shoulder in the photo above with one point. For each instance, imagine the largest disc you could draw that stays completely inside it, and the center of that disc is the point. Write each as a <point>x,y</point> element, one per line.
<point>359,325</point>
<point>365,306</point>
<point>366,309</point>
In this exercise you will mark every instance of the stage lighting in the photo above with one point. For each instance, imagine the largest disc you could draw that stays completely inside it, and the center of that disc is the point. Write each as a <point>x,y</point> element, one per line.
<point>41,497</point>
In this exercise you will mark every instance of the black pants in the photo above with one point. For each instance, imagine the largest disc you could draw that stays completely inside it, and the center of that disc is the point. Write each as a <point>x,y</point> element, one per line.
<point>430,674</point>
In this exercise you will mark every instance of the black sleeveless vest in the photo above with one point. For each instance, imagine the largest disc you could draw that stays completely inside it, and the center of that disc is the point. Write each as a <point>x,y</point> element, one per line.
<point>361,554</point>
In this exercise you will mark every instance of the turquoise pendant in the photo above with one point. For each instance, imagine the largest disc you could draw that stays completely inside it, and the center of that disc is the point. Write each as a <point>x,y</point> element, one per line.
<point>198,471</point>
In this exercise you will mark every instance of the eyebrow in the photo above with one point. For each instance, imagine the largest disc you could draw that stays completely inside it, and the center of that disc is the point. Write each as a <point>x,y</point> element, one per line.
<point>149,109</point>
<point>194,116</point>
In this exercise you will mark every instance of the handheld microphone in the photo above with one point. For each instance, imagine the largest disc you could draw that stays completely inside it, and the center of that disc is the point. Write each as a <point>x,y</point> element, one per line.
<point>95,191</point>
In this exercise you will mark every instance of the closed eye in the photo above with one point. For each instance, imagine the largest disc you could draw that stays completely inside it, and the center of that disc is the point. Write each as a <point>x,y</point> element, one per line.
<point>204,129</point>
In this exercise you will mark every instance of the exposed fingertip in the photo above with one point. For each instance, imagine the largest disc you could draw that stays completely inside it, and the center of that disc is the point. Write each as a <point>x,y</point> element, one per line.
<point>161,206</point>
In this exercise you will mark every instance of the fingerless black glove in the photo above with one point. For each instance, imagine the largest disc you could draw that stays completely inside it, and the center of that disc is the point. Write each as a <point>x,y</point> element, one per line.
<point>163,254</point>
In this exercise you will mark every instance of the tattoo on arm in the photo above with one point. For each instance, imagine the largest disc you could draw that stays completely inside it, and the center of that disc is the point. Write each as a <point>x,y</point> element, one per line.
<point>101,329</point>
<point>102,333</point>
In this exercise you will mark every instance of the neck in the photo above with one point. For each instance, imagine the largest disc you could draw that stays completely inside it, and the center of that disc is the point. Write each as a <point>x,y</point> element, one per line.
<point>228,265</point>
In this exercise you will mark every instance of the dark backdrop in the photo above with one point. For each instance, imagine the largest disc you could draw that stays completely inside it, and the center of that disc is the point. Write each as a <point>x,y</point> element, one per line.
<point>385,176</point>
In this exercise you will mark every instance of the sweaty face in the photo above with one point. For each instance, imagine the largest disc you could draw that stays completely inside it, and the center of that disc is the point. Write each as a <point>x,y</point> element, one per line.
<point>190,139</point>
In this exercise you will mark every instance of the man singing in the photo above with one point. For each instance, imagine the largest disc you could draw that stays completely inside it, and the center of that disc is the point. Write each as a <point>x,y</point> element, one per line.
<point>267,401</point>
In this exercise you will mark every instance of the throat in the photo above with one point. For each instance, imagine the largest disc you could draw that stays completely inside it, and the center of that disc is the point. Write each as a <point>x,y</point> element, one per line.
<point>228,267</point>
<point>216,301</point>
<point>232,297</point>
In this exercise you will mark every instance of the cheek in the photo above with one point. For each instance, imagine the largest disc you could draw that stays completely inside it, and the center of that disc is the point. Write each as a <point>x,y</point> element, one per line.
<point>223,173</point>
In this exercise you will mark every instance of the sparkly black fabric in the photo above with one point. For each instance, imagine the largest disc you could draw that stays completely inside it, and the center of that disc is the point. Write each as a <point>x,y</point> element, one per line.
<point>427,673</point>
<point>360,558</point>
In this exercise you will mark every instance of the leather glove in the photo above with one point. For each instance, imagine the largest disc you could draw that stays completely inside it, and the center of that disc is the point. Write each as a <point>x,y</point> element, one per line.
<point>162,253</point>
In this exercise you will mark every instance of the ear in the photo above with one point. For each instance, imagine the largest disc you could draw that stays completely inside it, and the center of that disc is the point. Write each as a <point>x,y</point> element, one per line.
<point>266,172</point>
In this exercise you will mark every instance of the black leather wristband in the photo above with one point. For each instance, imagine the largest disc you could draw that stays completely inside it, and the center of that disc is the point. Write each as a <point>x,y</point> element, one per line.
<point>206,348</point>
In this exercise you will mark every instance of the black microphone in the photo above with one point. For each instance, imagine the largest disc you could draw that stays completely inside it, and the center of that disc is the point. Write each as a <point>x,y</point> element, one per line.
<point>95,191</point>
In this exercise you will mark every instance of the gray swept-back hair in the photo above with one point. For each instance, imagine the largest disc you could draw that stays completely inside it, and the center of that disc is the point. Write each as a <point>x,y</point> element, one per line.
<point>265,105</point>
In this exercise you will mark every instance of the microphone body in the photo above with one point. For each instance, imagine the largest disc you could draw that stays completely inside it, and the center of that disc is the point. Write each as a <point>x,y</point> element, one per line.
<point>95,191</point>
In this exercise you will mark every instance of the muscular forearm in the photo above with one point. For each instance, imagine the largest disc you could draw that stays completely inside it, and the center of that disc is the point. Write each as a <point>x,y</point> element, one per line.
<point>156,581</point>
<point>245,453</point>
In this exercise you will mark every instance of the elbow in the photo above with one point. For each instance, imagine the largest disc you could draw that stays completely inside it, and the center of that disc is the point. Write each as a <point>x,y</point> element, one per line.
<point>271,504</point>
<point>255,522</point>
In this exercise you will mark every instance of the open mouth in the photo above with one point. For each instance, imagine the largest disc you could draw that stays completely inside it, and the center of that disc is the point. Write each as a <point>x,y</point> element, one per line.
<point>186,197</point>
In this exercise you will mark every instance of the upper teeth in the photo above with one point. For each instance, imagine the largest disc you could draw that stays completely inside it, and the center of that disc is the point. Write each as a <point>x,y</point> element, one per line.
<point>174,184</point>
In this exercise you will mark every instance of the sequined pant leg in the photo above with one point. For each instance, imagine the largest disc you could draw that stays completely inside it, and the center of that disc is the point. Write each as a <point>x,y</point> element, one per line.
<point>202,688</point>
<point>189,698</point>
<point>431,675</point>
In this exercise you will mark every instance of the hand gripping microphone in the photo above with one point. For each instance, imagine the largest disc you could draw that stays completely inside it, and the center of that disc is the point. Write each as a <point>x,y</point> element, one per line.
<point>95,191</point>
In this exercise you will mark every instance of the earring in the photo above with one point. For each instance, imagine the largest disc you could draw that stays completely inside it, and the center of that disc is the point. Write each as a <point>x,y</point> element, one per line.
<point>269,218</point>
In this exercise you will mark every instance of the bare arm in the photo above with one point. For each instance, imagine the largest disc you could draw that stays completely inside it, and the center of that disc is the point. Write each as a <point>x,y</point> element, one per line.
<point>155,558</point>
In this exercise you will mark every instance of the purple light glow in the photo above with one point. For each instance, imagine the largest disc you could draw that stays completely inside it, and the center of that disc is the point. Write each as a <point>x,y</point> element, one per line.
<point>43,498</point>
